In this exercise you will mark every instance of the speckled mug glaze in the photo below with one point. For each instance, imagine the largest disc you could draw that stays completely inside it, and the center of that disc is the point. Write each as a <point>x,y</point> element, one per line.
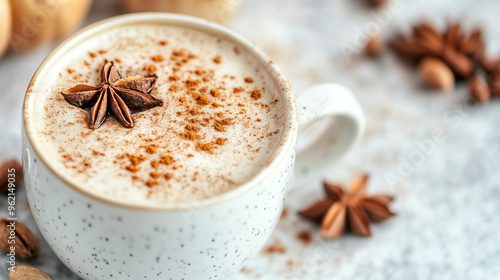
<point>100,239</point>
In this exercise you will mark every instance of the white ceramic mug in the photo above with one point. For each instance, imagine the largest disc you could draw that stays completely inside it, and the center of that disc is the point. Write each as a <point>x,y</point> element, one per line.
<point>102,239</point>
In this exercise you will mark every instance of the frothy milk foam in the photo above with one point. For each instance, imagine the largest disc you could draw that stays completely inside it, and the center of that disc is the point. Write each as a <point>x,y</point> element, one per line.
<point>221,120</point>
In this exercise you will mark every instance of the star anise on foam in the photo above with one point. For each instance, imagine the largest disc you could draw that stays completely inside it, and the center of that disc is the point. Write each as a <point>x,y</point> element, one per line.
<point>352,210</point>
<point>116,96</point>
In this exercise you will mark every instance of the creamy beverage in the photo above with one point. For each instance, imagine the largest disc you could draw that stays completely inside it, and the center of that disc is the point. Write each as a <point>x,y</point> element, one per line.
<point>216,120</point>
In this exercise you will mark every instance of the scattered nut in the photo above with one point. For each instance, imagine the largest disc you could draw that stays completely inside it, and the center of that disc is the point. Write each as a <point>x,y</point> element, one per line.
<point>62,19</point>
<point>374,46</point>
<point>5,25</point>
<point>26,272</point>
<point>6,169</point>
<point>26,246</point>
<point>436,74</point>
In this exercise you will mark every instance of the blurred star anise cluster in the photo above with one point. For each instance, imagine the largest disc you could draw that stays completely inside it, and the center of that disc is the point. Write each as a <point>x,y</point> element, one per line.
<point>463,52</point>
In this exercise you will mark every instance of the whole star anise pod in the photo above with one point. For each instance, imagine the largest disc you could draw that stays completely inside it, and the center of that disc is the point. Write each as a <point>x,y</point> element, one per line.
<point>117,96</point>
<point>352,210</point>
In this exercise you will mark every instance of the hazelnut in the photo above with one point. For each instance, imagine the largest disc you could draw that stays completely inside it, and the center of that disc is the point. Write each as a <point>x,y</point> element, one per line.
<point>35,23</point>
<point>24,272</point>
<point>5,25</point>
<point>374,46</point>
<point>436,74</point>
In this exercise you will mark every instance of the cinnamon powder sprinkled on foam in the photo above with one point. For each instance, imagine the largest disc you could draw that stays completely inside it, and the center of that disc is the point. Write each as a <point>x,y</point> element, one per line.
<point>207,147</point>
<point>214,93</point>
<point>205,107</point>
<point>168,160</point>
<point>131,168</point>
<point>154,175</point>
<point>178,53</point>
<point>190,135</point>
<point>256,94</point>
<point>97,153</point>
<point>151,149</point>
<point>151,183</point>
<point>157,58</point>
<point>151,69</point>
<point>220,141</point>
<point>201,99</point>
<point>191,127</point>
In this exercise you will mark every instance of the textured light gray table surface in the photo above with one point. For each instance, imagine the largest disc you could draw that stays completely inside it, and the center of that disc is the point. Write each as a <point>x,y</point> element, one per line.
<point>447,196</point>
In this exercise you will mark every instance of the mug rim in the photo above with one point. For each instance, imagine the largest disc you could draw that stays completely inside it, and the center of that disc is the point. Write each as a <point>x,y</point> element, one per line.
<point>286,141</point>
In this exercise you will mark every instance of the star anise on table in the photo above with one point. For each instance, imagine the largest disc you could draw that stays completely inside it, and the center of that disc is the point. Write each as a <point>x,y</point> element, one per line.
<point>459,50</point>
<point>463,52</point>
<point>116,96</point>
<point>352,210</point>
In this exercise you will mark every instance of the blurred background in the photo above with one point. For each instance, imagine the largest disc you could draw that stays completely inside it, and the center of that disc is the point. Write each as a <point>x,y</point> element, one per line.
<point>447,192</point>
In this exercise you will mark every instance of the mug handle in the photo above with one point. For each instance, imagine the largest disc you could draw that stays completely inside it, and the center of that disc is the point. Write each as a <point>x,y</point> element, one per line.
<point>331,121</point>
